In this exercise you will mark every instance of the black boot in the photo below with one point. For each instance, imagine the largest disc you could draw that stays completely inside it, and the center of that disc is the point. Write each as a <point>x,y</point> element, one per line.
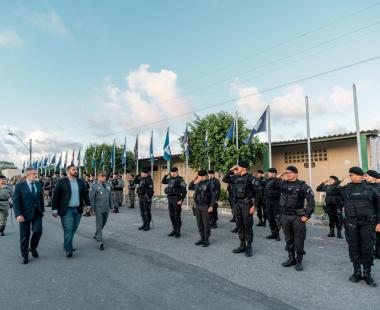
<point>142,226</point>
<point>331,234</point>
<point>232,220</point>
<point>116,209</point>
<point>172,233</point>
<point>240,249</point>
<point>2,231</point>
<point>339,233</point>
<point>206,243</point>
<point>299,266</point>
<point>272,235</point>
<point>357,275</point>
<point>265,223</point>
<point>261,223</point>
<point>277,234</point>
<point>367,276</point>
<point>199,242</point>
<point>147,227</point>
<point>291,260</point>
<point>248,249</point>
<point>214,225</point>
<point>235,230</point>
<point>178,233</point>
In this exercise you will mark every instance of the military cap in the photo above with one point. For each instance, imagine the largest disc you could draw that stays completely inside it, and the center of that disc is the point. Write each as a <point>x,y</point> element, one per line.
<point>334,178</point>
<point>356,170</point>
<point>243,164</point>
<point>174,169</point>
<point>260,171</point>
<point>272,170</point>
<point>211,171</point>
<point>373,173</point>
<point>292,169</point>
<point>202,173</point>
<point>102,174</point>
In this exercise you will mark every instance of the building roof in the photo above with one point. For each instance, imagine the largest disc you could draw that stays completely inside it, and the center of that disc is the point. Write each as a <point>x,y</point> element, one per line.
<point>349,135</point>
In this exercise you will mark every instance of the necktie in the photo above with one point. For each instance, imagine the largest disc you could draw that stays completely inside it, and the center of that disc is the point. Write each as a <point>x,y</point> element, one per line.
<point>33,189</point>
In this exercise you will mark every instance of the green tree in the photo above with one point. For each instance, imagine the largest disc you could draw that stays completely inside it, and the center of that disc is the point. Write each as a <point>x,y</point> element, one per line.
<point>217,125</point>
<point>6,165</point>
<point>119,168</point>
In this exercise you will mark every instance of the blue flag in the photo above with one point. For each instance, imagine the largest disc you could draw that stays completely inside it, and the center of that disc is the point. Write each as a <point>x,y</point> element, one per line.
<point>167,151</point>
<point>185,142</point>
<point>59,163</point>
<point>124,156</point>
<point>261,126</point>
<point>151,154</point>
<point>229,135</point>
<point>45,164</point>
<point>65,163</point>
<point>53,160</point>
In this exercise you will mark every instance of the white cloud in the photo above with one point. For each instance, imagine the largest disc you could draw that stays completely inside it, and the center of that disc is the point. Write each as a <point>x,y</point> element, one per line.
<point>48,21</point>
<point>9,38</point>
<point>341,98</point>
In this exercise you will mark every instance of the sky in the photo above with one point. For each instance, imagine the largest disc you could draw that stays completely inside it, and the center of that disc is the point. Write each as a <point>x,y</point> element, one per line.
<point>79,72</point>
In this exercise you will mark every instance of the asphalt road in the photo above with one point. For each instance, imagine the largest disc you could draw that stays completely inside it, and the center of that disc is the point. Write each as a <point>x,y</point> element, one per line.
<point>148,270</point>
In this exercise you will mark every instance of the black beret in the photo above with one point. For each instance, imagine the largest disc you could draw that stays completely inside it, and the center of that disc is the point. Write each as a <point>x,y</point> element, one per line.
<point>211,171</point>
<point>2,177</point>
<point>272,170</point>
<point>356,170</point>
<point>174,169</point>
<point>243,164</point>
<point>260,171</point>
<point>144,170</point>
<point>202,173</point>
<point>292,169</point>
<point>334,178</point>
<point>373,173</point>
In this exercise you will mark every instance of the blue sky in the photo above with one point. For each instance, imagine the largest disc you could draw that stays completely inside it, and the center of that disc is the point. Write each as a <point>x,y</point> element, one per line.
<point>74,72</point>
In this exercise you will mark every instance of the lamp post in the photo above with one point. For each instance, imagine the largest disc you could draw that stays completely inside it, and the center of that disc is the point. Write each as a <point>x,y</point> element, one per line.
<point>29,148</point>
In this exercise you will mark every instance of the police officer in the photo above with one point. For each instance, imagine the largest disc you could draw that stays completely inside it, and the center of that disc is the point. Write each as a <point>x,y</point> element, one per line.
<point>294,215</point>
<point>215,185</point>
<point>145,193</point>
<point>372,177</point>
<point>102,204</point>
<point>131,191</point>
<point>176,193</point>
<point>243,193</point>
<point>205,199</point>
<point>361,204</point>
<point>6,193</point>
<point>272,192</point>
<point>261,210</point>
<point>87,186</point>
<point>231,202</point>
<point>334,205</point>
<point>117,187</point>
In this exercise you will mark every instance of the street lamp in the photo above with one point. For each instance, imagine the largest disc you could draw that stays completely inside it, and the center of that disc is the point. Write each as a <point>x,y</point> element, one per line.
<point>29,148</point>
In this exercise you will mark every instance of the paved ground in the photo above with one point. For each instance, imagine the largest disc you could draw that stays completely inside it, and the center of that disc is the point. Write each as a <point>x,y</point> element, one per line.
<point>148,270</point>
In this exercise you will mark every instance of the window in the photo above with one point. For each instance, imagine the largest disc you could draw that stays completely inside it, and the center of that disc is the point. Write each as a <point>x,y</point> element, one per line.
<point>302,157</point>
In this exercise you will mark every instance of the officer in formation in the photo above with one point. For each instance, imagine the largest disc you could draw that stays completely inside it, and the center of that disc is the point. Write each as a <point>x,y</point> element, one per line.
<point>294,215</point>
<point>87,185</point>
<point>372,177</point>
<point>102,203</point>
<point>272,192</point>
<point>231,202</point>
<point>362,219</point>
<point>334,205</point>
<point>205,198</point>
<point>216,188</point>
<point>131,191</point>
<point>260,206</point>
<point>176,193</point>
<point>117,192</point>
<point>145,193</point>
<point>6,193</point>
<point>244,187</point>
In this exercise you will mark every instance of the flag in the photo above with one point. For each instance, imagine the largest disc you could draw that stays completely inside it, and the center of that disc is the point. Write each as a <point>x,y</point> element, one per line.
<point>151,154</point>
<point>112,159</point>
<point>23,167</point>
<point>136,149</point>
<point>65,163</point>
<point>229,135</point>
<point>78,157</point>
<point>124,156</point>
<point>85,161</point>
<point>185,142</point>
<point>46,160</point>
<point>102,159</point>
<point>167,151</point>
<point>261,126</point>
<point>72,158</point>
<point>53,160</point>
<point>93,161</point>
<point>59,163</point>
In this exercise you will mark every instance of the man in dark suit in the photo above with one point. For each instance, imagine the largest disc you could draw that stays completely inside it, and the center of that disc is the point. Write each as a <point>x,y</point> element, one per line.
<point>28,205</point>
<point>69,199</point>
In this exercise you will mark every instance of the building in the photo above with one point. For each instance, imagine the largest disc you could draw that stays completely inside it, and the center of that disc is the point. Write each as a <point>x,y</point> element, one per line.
<point>331,155</point>
<point>10,173</point>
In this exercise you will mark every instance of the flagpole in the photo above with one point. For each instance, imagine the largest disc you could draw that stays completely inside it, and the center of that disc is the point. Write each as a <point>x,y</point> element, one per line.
<point>114,156</point>
<point>308,137</point>
<point>269,138</point>
<point>237,135</point>
<point>357,126</point>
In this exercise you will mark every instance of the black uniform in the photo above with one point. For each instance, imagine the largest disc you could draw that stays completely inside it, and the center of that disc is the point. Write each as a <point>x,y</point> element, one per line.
<point>176,191</point>
<point>259,201</point>
<point>131,193</point>
<point>362,213</point>
<point>377,243</point>
<point>215,186</point>
<point>205,196</point>
<point>272,192</point>
<point>243,188</point>
<point>292,200</point>
<point>334,206</point>
<point>145,193</point>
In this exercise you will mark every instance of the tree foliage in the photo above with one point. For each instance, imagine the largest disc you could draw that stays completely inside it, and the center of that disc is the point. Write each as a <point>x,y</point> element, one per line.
<point>217,125</point>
